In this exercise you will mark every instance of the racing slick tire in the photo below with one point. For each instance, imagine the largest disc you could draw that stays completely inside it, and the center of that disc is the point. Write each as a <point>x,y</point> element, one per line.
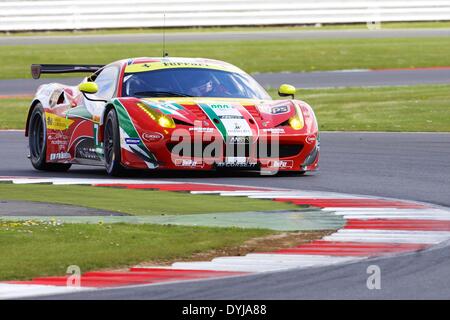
<point>37,140</point>
<point>111,145</point>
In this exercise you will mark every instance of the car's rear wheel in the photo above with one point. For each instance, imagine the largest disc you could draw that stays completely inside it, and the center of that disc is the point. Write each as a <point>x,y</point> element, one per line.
<point>37,139</point>
<point>111,145</point>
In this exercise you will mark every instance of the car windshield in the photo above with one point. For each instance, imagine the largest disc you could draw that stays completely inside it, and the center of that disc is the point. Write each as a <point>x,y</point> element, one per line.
<point>192,82</point>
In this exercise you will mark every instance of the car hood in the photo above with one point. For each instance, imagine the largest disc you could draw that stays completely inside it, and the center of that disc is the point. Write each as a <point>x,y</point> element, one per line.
<point>225,110</point>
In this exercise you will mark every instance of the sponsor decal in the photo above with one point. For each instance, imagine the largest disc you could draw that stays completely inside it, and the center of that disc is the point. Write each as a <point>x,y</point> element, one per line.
<point>57,136</point>
<point>274,130</point>
<point>283,164</point>
<point>236,162</point>
<point>201,129</point>
<point>188,163</point>
<point>152,136</point>
<point>59,142</point>
<point>132,140</point>
<point>236,165</point>
<point>220,106</point>
<point>55,122</point>
<point>59,156</point>
<point>274,109</point>
<point>58,139</point>
<point>184,64</point>
<point>227,119</point>
<point>311,139</point>
<point>279,109</point>
<point>171,64</point>
<point>239,140</point>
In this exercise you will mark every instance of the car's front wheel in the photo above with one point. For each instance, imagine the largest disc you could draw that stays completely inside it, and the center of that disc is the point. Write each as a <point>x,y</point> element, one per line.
<point>37,139</point>
<point>111,145</point>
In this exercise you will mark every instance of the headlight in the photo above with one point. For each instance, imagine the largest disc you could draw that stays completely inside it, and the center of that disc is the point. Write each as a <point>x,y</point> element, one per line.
<point>162,119</point>
<point>166,122</point>
<point>296,122</point>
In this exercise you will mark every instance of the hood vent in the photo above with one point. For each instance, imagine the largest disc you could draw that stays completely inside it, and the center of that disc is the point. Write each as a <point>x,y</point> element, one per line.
<point>196,110</point>
<point>253,111</point>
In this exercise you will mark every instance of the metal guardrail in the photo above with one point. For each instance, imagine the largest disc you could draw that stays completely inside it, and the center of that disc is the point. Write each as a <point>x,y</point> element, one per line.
<point>83,14</point>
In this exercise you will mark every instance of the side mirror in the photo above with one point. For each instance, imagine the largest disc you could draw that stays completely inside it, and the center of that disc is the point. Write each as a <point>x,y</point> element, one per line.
<point>88,87</point>
<point>286,90</point>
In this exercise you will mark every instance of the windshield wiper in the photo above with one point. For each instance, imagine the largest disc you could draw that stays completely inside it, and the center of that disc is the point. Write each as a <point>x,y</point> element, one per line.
<point>161,94</point>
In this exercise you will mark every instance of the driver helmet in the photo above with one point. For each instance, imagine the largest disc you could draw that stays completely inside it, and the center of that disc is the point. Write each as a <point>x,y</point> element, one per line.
<point>202,87</point>
<point>134,84</point>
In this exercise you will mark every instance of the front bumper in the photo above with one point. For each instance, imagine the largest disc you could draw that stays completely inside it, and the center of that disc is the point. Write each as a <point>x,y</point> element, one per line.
<point>287,152</point>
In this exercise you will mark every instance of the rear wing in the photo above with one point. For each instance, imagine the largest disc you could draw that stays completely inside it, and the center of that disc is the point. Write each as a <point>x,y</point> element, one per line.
<point>38,69</point>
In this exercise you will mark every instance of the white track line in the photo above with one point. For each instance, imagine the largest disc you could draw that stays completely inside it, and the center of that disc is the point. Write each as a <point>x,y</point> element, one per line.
<point>395,236</point>
<point>294,256</point>
<point>398,216</point>
<point>219,267</point>
<point>355,238</point>
<point>285,194</point>
<point>343,210</point>
<point>263,263</point>
<point>89,181</point>
<point>15,291</point>
<point>409,233</point>
<point>110,181</point>
<point>281,258</point>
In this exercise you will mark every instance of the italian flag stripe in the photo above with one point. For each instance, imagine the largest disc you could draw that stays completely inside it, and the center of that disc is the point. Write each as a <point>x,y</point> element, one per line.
<point>212,115</point>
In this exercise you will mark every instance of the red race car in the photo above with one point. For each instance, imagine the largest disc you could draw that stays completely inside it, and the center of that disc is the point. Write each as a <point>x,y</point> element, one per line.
<point>168,113</point>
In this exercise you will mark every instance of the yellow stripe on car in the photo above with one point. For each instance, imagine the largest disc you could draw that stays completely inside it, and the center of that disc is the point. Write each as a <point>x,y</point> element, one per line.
<point>55,122</point>
<point>151,66</point>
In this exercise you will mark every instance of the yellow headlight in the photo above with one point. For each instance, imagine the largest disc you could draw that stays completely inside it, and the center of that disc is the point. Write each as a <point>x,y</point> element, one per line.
<point>163,120</point>
<point>296,122</point>
<point>166,122</point>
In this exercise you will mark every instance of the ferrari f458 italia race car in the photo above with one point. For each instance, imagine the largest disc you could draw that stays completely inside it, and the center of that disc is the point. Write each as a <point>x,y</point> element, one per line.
<point>168,113</point>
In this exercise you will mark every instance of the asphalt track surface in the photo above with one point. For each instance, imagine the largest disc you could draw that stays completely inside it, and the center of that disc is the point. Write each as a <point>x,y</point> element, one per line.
<point>301,80</point>
<point>401,165</point>
<point>225,36</point>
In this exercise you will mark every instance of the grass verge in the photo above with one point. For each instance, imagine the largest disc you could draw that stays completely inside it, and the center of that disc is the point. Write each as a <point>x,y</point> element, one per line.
<point>136,202</point>
<point>402,109</point>
<point>13,112</point>
<point>35,249</point>
<point>252,56</point>
<point>395,109</point>
<point>31,248</point>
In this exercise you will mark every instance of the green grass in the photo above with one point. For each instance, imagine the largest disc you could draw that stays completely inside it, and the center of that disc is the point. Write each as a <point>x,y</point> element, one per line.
<point>13,113</point>
<point>409,108</point>
<point>387,25</point>
<point>401,109</point>
<point>28,251</point>
<point>136,202</point>
<point>252,56</point>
